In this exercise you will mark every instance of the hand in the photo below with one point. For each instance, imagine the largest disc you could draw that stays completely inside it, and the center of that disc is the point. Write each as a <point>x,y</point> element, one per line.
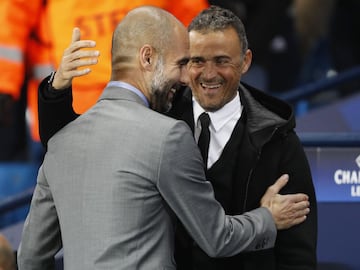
<point>287,210</point>
<point>73,59</point>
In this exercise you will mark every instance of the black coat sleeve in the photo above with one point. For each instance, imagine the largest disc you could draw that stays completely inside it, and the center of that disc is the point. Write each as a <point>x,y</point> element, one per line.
<point>55,110</point>
<point>296,247</point>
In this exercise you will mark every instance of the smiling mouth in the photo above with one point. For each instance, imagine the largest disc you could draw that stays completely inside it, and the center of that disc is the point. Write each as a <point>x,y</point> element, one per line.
<point>210,86</point>
<point>171,94</point>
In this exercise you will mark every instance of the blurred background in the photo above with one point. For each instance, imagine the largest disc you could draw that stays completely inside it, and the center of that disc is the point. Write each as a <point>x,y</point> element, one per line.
<point>306,52</point>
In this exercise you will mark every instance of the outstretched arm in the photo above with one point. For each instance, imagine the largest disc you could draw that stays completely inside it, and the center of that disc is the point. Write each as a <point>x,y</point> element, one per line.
<point>55,93</point>
<point>192,199</point>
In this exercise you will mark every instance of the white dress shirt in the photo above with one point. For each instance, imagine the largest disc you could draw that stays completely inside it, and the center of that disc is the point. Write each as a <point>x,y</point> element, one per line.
<point>221,126</point>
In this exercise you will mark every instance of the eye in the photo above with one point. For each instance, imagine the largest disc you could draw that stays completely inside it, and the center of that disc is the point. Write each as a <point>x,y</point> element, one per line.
<point>196,61</point>
<point>183,62</point>
<point>221,61</point>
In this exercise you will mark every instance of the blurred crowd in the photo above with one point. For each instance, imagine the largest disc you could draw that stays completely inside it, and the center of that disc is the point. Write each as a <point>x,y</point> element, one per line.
<point>293,42</point>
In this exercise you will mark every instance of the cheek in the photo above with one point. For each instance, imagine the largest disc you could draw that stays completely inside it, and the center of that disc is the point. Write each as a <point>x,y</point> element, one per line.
<point>232,77</point>
<point>194,73</point>
<point>192,76</point>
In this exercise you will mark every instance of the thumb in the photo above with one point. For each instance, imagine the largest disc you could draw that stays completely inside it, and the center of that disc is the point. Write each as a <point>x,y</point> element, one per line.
<point>75,35</point>
<point>280,183</point>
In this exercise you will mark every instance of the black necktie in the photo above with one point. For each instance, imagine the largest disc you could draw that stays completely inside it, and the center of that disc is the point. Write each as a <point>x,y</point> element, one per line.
<point>204,138</point>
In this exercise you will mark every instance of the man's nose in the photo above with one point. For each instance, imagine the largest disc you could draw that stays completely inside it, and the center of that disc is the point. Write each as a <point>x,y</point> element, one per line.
<point>209,70</point>
<point>184,76</point>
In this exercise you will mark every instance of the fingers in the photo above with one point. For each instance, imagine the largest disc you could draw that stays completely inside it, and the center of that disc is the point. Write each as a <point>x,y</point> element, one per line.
<point>301,205</point>
<point>77,43</point>
<point>72,67</point>
<point>299,212</point>
<point>80,58</point>
<point>295,204</point>
<point>279,184</point>
<point>299,197</point>
<point>75,35</point>
<point>75,57</point>
<point>75,61</point>
<point>273,190</point>
<point>287,210</point>
<point>295,221</point>
<point>79,54</point>
<point>290,210</point>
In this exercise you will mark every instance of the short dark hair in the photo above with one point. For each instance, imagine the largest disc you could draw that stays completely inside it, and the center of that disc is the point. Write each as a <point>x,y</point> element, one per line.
<point>216,18</point>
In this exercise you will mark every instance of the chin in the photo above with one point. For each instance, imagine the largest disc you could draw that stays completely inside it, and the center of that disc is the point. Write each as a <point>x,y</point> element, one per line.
<point>211,107</point>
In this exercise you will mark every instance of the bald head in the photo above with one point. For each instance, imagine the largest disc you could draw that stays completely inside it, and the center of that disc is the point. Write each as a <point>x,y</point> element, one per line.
<point>144,25</point>
<point>7,257</point>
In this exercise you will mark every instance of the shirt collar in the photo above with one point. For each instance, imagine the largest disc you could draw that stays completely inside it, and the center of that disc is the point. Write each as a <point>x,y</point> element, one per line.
<point>130,88</point>
<point>220,117</point>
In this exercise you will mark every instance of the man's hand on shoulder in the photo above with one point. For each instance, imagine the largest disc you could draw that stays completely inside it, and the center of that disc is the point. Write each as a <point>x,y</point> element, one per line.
<point>287,210</point>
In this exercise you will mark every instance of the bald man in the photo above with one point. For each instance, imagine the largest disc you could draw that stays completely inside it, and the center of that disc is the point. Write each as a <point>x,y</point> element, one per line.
<point>7,257</point>
<point>114,180</point>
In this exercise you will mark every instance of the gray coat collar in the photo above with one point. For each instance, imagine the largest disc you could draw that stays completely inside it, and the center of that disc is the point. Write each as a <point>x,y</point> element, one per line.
<point>113,93</point>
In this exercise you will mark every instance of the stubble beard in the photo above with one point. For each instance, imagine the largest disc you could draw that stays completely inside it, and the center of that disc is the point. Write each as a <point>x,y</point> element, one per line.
<point>160,88</point>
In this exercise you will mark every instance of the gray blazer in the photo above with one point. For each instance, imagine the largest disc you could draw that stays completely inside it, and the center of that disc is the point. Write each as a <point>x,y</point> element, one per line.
<point>110,188</point>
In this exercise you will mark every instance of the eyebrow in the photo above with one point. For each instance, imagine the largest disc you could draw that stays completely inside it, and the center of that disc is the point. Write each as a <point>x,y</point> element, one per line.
<point>183,61</point>
<point>213,58</point>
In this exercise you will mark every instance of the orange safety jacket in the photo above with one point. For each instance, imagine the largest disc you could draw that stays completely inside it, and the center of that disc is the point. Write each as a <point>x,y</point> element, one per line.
<point>17,19</point>
<point>35,33</point>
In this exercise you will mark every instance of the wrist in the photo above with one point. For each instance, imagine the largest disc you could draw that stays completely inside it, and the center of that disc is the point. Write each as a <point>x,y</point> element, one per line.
<point>51,92</point>
<point>54,84</point>
<point>51,81</point>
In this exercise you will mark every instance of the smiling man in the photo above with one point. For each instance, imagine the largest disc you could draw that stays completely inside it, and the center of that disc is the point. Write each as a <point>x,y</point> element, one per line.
<point>252,142</point>
<point>216,66</point>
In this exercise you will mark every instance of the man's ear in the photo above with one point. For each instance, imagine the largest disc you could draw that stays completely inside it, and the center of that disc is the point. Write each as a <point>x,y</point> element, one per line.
<point>147,55</point>
<point>246,62</point>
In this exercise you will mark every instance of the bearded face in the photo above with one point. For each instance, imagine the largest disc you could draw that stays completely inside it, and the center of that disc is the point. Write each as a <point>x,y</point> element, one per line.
<point>162,89</point>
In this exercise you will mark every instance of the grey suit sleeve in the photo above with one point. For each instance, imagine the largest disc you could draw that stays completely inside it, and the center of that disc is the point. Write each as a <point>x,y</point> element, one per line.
<point>182,184</point>
<point>41,230</point>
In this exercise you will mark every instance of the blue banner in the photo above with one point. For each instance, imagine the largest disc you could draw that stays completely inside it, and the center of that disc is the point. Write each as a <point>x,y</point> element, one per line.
<point>336,173</point>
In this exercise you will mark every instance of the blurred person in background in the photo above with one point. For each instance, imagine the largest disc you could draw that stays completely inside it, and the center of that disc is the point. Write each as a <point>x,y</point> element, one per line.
<point>32,40</point>
<point>312,22</point>
<point>12,108</point>
<point>345,41</point>
<point>344,35</point>
<point>7,256</point>
<point>328,33</point>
